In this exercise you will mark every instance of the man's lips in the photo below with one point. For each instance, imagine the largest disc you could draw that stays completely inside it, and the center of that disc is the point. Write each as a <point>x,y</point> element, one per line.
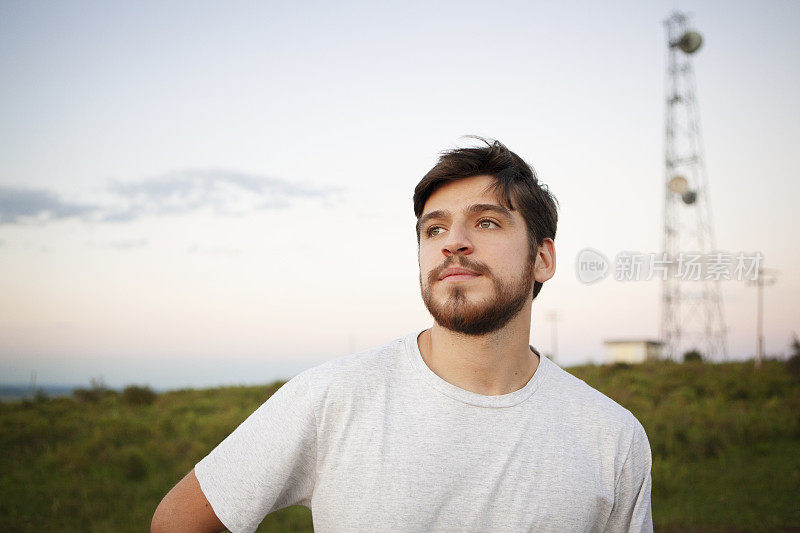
<point>456,274</point>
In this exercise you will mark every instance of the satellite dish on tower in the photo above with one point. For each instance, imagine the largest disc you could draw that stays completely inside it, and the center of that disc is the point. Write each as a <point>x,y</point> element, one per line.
<point>690,42</point>
<point>678,185</point>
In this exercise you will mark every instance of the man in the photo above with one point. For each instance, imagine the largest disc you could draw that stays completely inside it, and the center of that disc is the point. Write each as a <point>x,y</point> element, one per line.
<point>462,427</point>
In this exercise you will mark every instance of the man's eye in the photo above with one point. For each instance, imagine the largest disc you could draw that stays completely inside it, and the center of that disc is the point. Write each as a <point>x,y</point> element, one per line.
<point>434,231</point>
<point>487,224</point>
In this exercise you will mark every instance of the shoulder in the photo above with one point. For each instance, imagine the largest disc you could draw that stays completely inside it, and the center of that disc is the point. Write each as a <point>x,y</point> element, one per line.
<point>372,366</point>
<point>582,404</point>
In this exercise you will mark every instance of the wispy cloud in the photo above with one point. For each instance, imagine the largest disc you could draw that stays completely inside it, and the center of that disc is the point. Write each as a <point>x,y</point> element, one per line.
<point>119,245</point>
<point>228,193</point>
<point>225,192</point>
<point>216,250</point>
<point>35,205</point>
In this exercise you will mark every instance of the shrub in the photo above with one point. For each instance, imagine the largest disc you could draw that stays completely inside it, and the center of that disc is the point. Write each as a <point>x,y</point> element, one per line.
<point>134,465</point>
<point>793,363</point>
<point>135,395</point>
<point>693,357</point>
<point>88,395</point>
<point>96,392</point>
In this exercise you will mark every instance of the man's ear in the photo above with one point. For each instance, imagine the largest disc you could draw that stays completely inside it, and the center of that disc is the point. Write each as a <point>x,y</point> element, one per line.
<point>545,265</point>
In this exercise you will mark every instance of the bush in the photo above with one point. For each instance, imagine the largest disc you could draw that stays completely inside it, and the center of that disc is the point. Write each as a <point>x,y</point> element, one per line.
<point>88,395</point>
<point>693,357</point>
<point>95,393</point>
<point>793,363</point>
<point>134,465</point>
<point>134,395</point>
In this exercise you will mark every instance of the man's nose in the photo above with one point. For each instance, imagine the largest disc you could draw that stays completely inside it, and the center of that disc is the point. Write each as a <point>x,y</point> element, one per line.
<point>457,242</point>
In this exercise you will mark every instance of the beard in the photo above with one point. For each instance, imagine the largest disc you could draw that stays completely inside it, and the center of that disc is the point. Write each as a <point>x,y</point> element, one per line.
<point>457,313</point>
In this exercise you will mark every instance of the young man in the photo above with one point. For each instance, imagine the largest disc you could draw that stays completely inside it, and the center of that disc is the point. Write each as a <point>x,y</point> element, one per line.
<point>461,427</point>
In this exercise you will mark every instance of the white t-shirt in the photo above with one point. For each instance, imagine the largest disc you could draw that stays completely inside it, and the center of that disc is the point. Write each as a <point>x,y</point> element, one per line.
<point>377,441</point>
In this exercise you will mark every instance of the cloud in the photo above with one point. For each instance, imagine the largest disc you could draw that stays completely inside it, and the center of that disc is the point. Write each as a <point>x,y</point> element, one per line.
<point>30,205</point>
<point>196,249</point>
<point>225,192</point>
<point>120,245</point>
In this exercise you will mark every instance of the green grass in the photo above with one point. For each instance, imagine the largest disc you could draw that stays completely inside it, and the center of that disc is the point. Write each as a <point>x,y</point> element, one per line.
<point>725,440</point>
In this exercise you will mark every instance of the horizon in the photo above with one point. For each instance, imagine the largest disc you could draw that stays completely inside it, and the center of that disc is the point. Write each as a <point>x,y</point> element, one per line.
<point>255,382</point>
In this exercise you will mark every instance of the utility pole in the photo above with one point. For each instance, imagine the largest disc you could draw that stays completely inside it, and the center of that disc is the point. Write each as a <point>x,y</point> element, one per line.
<point>32,386</point>
<point>765,278</point>
<point>351,343</point>
<point>553,317</point>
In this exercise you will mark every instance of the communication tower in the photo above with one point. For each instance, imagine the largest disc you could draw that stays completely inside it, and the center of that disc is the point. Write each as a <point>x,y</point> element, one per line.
<point>691,308</point>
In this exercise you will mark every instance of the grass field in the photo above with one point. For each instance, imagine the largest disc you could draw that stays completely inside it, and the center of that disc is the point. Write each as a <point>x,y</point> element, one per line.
<point>725,441</point>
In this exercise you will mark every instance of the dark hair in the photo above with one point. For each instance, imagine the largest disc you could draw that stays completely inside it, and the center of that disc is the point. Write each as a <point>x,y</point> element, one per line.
<point>515,184</point>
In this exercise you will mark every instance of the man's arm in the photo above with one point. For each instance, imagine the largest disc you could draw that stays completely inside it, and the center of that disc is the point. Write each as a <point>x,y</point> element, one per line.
<point>267,463</point>
<point>632,509</point>
<point>185,508</point>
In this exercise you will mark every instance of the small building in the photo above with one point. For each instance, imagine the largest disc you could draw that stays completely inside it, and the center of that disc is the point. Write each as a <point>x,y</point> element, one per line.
<point>632,350</point>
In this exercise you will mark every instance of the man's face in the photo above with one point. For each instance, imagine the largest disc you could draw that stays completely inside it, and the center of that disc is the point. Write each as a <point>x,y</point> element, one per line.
<point>464,226</point>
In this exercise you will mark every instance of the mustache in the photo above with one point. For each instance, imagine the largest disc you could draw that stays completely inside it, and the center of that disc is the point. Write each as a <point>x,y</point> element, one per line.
<point>459,261</point>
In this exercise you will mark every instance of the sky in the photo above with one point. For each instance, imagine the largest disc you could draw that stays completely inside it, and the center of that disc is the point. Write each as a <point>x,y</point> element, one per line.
<point>196,194</point>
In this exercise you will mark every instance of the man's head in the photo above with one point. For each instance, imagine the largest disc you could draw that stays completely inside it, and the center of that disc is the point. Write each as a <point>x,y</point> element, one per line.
<point>484,210</point>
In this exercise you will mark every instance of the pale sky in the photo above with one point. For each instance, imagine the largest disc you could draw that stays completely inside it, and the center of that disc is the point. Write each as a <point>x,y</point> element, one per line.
<point>196,193</point>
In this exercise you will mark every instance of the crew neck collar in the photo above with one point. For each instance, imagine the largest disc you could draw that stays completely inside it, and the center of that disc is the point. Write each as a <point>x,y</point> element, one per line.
<point>469,397</point>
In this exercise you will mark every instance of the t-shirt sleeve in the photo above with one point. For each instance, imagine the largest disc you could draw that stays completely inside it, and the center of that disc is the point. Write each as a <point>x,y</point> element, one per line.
<point>632,510</point>
<point>267,463</point>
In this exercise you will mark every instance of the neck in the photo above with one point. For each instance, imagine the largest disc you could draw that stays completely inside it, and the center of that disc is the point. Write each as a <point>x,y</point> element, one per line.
<point>497,363</point>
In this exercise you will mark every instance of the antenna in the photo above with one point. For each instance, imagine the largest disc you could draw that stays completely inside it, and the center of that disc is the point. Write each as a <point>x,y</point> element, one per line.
<point>691,310</point>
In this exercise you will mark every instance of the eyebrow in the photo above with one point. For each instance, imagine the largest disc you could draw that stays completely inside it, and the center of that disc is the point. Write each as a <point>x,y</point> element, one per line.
<point>474,209</point>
